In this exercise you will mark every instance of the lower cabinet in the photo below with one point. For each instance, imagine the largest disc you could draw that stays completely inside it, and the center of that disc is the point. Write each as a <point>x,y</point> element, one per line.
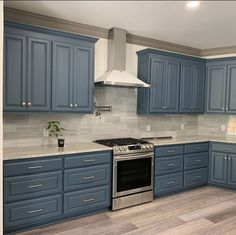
<point>37,194</point>
<point>195,177</point>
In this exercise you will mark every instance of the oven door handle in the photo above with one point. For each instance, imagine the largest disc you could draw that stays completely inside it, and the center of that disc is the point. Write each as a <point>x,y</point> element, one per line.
<point>134,156</point>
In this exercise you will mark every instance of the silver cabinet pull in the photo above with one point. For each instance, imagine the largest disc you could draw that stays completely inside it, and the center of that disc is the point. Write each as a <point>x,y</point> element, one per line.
<point>198,160</point>
<point>71,105</point>
<point>227,149</point>
<point>89,177</point>
<point>197,177</point>
<point>23,104</point>
<point>35,186</point>
<point>170,182</point>
<point>29,103</point>
<point>229,158</point>
<point>222,108</point>
<point>225,158</point>
<point>35,211</point>
<point>171,151</point>
<point>34,167</point>
<point>75,105</point>
<point>226,108</point>
<point>172,164</point>
<point>90,160</point>
<point>89,200</point>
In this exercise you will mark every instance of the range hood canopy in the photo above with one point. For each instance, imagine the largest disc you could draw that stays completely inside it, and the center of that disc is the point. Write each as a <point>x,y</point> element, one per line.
<point>116,74</point>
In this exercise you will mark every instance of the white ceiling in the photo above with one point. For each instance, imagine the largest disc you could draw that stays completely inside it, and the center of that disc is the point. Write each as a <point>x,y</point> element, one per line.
<point>211,25</point>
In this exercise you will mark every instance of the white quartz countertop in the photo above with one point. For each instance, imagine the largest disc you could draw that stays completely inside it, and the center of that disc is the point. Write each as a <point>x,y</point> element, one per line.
<point>47,150</point>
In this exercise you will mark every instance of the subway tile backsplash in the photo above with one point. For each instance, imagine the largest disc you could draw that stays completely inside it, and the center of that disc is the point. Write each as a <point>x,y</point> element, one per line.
<point>27,129</point>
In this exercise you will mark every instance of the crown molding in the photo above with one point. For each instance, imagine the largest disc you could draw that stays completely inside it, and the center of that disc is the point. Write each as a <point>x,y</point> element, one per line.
<point>29,18</point>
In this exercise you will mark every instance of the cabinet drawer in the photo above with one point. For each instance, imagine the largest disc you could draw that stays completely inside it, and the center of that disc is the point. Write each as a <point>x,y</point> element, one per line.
<point>195,160</point>
<point>86,177</point>
<point>168,183</point>
<point>23,167</point>
<point>221,147</point>
<point>88,159</point>
<point>30,186</point>
<point>168,165</point>
<point>195,148</point>
<point>32,211</point>
<point>195,177</point>
<point>169,150</point>
<point>89,199</point>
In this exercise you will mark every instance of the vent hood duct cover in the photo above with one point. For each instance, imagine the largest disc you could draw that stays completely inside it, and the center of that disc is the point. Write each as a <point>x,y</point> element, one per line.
<point>116,74</point>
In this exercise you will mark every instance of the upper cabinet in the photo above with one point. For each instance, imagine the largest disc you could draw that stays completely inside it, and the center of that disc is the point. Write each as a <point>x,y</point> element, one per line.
<point>46,70</point>
<point>221,86</point>
<point>177,83</point>
<point>192,87</point>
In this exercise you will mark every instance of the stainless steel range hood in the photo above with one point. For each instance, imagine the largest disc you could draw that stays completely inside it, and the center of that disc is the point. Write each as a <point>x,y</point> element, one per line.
<point>116,74</point>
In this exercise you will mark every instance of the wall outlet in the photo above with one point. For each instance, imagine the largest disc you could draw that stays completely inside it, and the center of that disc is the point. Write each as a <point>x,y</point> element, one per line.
<point>182,126</point>
<point>45,132</point>
<point>148,127</point>
<point>222,127</point>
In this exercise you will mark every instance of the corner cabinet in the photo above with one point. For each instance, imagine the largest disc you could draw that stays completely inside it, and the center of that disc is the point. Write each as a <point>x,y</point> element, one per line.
<point>221,86</point>
<point>177,83</point>
<point>46,70</point>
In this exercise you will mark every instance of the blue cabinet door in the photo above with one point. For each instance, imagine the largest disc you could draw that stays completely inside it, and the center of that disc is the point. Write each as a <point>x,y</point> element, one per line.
<point>231,88</point>
<point>216,89</point>
<point>218,168</point>
<point>39,75</point>
<point>186,87</point>
<point>232,170</point>
<point>62,79</point>
<point>198,86</point>
<point>14,73</point>
<point>157,90</point>
<point>83,79</point>
<point>172,86</point>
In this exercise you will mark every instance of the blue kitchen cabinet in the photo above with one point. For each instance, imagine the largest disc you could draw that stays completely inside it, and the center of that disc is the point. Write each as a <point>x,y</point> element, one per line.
<point>232,170</point>
<point>231,89</point>
<point>27,72</point>
<point>192,87</point>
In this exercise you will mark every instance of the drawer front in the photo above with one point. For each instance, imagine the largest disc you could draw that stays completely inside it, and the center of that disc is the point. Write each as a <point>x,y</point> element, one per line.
<point>32,211</point>
<point>168,183</point>
<point>88,159</point>
<point>30,186</point>
<point>31,166</point>
<point>168,165</point>
<point>221,147</point>
<point>195,148</point>
<point>169,150</point>
<point>89,199</point>
<point>195,177</point>
<point>195,160</point>
<point>82,178</point>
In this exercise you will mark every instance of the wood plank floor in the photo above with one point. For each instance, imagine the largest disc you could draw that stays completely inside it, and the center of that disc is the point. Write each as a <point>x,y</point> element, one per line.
<point>203,211</point>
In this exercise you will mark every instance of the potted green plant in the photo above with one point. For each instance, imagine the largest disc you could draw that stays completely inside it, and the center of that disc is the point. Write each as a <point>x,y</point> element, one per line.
<point>56,131</point>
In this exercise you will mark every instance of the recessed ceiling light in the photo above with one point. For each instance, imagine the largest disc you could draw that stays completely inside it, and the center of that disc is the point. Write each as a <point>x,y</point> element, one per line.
<point>193,4</point>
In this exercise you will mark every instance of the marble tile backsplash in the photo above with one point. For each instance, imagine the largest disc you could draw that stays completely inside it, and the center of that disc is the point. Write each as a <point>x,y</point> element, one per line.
<point>27,129</point>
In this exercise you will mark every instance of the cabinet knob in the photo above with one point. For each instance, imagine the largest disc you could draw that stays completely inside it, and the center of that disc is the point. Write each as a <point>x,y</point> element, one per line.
<point>71,105</point>
<point>76,105</point>
<point>23,103</point>
<point>29,104</point>
<point>226,109</point>
<point>225,158</point>
<point>229,158</point>
<point>223,108</point>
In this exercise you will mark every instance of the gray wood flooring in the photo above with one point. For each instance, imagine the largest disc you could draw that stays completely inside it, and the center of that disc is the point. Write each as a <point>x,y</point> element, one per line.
<point>202,211</point>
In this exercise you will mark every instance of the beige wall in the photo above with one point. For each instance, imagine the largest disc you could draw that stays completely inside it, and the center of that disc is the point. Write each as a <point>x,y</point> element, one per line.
<point>1,66</point>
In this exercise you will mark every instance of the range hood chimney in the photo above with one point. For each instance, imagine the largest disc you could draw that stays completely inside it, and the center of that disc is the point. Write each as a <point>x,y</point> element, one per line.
<point>116,74</point>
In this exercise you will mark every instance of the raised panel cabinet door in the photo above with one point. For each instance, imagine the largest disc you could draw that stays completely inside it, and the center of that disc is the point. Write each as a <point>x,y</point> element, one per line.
<point>39,75</point>
<point>198,89</point>
<point>231,88</point>
<point>62,78</point>
<point>157,90</point>
<point>186,81</point>
<point>83,79</point>
<point>216,89</point>
<point>218,168</point>
<point>232,170</point>
<point>172,86</point>
<point>14,73</point>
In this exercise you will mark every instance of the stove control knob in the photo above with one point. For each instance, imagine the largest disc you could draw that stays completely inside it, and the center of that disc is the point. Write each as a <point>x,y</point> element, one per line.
<point>116,149</point>
<point>144,146</point>
<point>120,148</point>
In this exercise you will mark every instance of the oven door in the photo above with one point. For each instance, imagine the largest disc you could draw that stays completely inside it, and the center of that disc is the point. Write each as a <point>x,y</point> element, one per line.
<point>132,173</point>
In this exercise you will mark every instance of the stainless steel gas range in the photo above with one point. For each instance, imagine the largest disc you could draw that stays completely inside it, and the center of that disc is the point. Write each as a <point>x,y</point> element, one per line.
<point>133,166</point>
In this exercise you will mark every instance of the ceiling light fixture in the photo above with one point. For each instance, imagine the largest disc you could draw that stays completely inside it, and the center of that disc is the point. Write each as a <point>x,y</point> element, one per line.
<point>193,4</point>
